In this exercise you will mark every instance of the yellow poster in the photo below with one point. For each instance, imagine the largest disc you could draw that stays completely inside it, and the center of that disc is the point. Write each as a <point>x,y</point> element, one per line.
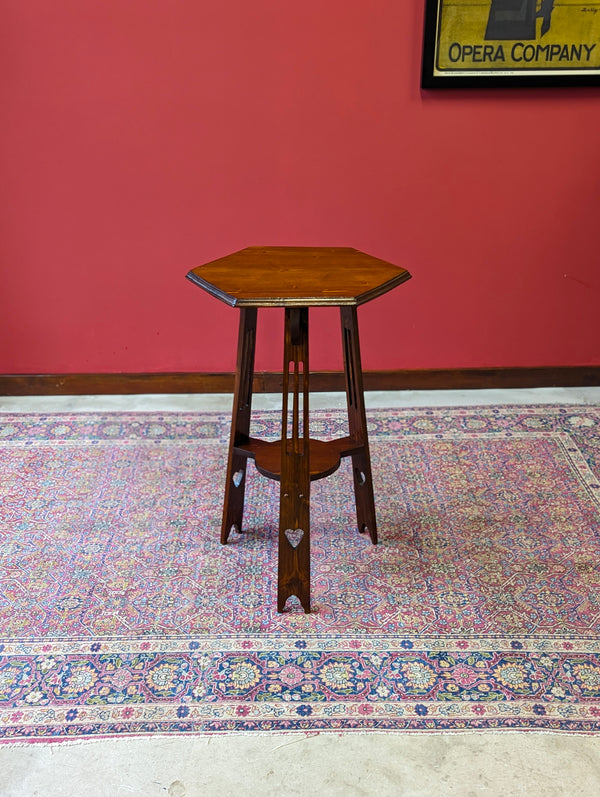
<point>512,37</point>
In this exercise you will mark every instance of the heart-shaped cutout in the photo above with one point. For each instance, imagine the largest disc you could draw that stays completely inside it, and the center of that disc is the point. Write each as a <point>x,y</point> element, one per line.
<point>294,537</point>
<point>237,477</point>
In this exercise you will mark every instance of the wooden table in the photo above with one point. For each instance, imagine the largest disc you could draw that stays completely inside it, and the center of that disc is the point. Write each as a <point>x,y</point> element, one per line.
<point>297,278</point>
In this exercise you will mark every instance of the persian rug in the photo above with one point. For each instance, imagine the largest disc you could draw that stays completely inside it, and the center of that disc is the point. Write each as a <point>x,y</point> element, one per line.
<point>122,614</point>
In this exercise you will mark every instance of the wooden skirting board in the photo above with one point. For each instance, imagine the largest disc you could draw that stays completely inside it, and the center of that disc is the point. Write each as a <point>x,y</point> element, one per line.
<point>320,381</point>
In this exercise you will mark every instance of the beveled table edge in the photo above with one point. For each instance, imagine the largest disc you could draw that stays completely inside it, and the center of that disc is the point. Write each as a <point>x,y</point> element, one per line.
<point>301,301</point>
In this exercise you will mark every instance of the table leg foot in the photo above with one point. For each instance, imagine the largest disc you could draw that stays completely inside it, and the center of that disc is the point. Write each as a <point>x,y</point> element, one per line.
<point>363,495</point>
<point>294,577</point>
<point>235,489</point>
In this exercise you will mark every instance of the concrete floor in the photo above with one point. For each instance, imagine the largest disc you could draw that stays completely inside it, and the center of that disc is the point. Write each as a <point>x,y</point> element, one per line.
<point>468,764</point>
<point>483,763</point>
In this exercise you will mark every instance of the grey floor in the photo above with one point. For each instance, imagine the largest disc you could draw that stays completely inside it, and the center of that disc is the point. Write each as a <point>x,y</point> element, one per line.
<point>345,764</point>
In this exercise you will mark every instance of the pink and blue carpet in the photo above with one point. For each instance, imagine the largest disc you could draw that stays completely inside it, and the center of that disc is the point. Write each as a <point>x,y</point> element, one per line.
<point>121,613</point>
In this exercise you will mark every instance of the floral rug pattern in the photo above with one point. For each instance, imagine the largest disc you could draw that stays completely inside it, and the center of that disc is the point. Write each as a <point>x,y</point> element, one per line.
<point>121,613</point>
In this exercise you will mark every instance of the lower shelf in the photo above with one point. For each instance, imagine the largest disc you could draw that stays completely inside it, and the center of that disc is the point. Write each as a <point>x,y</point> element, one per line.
<point>324,455</point>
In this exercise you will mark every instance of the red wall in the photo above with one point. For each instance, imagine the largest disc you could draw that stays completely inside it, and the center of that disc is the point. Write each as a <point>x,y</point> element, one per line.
<point>142,137</point>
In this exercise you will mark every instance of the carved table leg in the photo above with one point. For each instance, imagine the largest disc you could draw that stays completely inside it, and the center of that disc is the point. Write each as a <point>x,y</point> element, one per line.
<point>235,484</point>
<point>294,518</point>
<point>361,461</point>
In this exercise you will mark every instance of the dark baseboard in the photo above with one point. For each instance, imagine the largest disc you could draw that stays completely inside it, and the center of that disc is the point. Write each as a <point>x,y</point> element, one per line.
<point>320,381</point>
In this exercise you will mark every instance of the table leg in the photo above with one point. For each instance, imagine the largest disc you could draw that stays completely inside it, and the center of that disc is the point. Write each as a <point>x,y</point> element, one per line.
<point>357,420</point>
<point>294,516</point>
<point>235,484</point>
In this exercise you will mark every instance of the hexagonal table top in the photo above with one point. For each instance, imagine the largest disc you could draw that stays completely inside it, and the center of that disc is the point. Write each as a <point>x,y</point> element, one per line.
<point>290,276</point>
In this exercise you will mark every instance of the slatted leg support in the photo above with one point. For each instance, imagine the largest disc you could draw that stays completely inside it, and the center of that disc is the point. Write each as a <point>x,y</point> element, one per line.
<point>294,518</point>
<point>235,484</point>
<point>357,420</point>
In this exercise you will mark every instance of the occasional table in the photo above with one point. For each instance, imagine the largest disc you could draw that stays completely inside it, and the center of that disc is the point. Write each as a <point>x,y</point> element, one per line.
<point>297,278</point>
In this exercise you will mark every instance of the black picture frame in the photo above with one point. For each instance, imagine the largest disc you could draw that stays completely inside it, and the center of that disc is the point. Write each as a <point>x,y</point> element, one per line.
<point>510,43</point>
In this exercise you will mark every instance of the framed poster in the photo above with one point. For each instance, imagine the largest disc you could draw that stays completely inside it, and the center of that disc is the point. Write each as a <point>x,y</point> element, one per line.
<point>478,43</point>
